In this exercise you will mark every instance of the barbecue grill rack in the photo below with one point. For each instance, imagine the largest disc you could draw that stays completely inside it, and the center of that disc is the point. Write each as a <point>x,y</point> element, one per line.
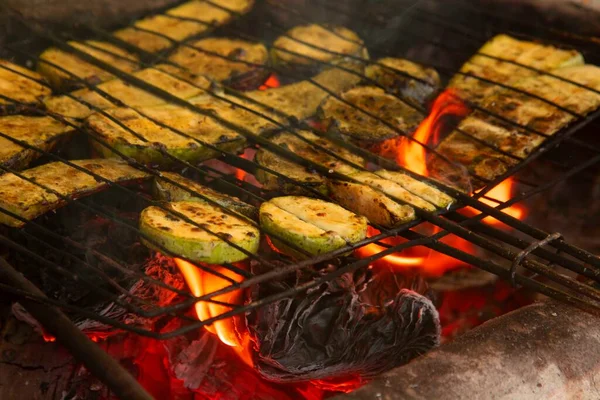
<point>527,251</point>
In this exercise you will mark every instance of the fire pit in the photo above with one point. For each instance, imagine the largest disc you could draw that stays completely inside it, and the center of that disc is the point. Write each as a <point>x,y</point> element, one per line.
<point>290,200</point>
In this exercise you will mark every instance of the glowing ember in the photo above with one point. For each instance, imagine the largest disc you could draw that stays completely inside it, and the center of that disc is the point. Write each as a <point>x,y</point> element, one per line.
<point>201,282</point>
<point>411,154</point>
<point>248,154</point>
<point>271,82</point>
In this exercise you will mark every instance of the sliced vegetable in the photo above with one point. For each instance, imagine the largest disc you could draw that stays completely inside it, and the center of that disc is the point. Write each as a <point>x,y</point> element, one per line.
<point>409,80</point>
<point>19,84</point>
<point>421,189</point>
<point>504,47</point>
<point>311,47</point>
<point>351,119</point>
<point>133,96</point>
<point>165,190</point>
<point>40,132</point>
<point>202,58</point>
<point>316,226</point>
<point>83,70</point>
<point>29,200</point>
<point>393,189</point>
<point>188,240</point>
<point>370,203</point>
<point>209,15</point>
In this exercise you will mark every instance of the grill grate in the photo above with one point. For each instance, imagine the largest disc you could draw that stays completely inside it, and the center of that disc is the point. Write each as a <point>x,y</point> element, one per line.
<point>471,229</point>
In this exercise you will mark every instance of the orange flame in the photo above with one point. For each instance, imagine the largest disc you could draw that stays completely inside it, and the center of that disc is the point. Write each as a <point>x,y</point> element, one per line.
<point>499,194</point>
<point>412,155</point>
<point>201,282</point>
<point>271,82</point>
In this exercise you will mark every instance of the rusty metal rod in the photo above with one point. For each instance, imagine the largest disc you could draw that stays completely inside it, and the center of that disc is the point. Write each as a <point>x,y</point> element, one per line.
<point>98,362</point>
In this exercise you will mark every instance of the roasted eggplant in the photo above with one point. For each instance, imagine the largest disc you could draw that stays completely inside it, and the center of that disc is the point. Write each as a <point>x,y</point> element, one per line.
<point>409,80</point>
<point>19,84</point>
<point>169,231</point>
<point>29,200</point>
<point>42,133</point>
<point>238,63</point>
<point>309,48</point>
<point>166,189</point>
<point>503,47</point>
<point>316,226</point>
<point>179,23</point>
<point>78,69</point>
<point>351,120</point>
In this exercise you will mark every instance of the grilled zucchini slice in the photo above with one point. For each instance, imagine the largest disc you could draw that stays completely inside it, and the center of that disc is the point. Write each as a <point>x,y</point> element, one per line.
<point>152,140</point>
<point>375,206</point>
<point>129,95</point>
<point>536,55</point>
<point>19,84</point>
<point>393,189</point>
<point>316,226</point>
<point>297,172</point>
<point>307,48</point>
<point>202,58</point>
<point>83,70</point>
<point>421,189</point>
<point>411,81</point>
<point>40,132</point>
<point>209,15</point>
<point>28,200</point>
<point>524,110</point>
<point>164,189</point>
<point>350,120</point>
<point>194,243</point>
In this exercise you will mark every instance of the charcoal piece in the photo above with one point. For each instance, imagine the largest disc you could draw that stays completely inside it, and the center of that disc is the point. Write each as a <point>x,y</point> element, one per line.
<point>352,326</point>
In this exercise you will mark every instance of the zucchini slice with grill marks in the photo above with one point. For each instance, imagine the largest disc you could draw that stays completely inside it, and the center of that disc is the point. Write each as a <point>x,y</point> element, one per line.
<point>410,80</point>
<point>316,226</point>
<point>152,140</point>
<point>29,200</point>
<point>190,241</point>
<point>350,120</point>
<point>161,76</point>
<point>536,55</point>
<point>43,133</point>
<point>93,74</point>
<point>225,60</point>
<point>309,151</point>
<point>165,190</point>
<point>209,15</point>
<point>393,189</point>
<point>370,203</point>
<point>289,51</point>
<point>19,84</point>
<point>421,189</point>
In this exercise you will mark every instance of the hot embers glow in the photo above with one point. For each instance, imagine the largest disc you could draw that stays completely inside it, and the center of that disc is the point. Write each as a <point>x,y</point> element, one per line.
<point>201,282</point>
<point>271,82</point>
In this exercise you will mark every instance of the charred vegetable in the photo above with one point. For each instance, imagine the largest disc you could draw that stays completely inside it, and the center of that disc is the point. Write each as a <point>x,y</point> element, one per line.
<point>75,105</point>
<point>504,47</point>
<point>19,84</point>
<point>29,200</point>
<point>421,189</point>
<point>375,206</point>
<point>307,48</point>
<point>179,23</point>
<point>151,141</point>
<point>236,62</point>
<point>316,226</point>
<point>526,111</point>
<point>191,241</point>
<point>390,115</point>
<point>373,325</point>
<point>411,81</point>
<point>165,189</point>
<point>308,150</point>
<point>79,69</point>
<point>40,132</point>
